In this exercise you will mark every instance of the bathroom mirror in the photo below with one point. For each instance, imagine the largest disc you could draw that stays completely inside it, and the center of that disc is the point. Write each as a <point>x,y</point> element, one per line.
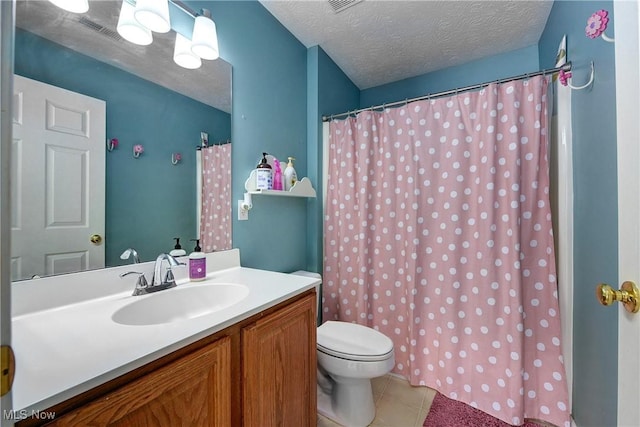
<point>150,102</point>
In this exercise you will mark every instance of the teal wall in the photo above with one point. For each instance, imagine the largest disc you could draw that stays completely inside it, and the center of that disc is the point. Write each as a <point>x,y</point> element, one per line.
<point>148,200</point>
<point>482,70</point>
<point>269,114</point>
<point>329,91</point>
<point>595,207</point>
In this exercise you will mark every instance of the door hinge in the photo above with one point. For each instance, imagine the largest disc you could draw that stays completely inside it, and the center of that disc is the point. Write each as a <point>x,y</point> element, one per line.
<point>7,369</point>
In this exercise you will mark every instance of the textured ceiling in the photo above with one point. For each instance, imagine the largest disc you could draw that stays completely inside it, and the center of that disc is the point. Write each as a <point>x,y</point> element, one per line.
<point>376,42</point>
<point>210,84</point>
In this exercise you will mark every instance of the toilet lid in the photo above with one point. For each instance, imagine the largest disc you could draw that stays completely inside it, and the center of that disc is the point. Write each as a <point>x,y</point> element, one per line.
<point>351,339</point>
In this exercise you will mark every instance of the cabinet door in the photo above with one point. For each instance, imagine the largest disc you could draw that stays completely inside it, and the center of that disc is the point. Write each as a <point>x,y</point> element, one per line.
<point>279,367</point>
<point>192,391</point>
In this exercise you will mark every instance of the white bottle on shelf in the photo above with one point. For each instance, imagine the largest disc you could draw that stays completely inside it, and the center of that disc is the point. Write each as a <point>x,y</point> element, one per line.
<point>290,176</point>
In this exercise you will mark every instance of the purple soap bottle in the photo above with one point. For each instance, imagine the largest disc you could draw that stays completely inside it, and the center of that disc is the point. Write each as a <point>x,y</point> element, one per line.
<point>197,263</point>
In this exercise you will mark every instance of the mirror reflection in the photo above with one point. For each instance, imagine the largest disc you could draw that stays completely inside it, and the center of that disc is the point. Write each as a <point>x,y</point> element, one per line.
<point>97,87</point>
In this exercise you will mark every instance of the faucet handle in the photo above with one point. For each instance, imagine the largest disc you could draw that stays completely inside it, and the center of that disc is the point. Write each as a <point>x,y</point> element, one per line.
<point>141,283</point>
<point>169,278</point>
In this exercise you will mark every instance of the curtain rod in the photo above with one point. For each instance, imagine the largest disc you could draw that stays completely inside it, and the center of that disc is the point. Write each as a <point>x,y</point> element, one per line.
<point>223,142</point>
<point>565,67</point>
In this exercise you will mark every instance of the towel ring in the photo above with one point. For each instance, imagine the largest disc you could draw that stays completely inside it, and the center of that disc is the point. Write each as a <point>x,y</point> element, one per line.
<point>586,85</point>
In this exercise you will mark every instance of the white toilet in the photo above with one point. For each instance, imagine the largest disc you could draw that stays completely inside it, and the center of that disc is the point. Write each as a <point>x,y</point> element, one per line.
<point>349,356</point>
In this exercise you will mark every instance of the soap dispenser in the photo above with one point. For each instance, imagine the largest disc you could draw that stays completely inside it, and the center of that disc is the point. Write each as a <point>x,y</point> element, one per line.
<point>177,249</point>
<point>264,177</point>
<point>197,263</point>
<point>290,176</point>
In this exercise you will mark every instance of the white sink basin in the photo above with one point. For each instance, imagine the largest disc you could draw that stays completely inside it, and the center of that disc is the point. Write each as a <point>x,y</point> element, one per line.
<point>185,302</point>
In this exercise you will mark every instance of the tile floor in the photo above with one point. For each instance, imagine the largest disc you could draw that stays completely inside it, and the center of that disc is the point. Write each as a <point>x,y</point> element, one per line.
<point>398,404</point>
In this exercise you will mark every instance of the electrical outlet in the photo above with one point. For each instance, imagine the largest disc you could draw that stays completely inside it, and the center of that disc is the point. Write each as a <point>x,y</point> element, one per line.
<point>243,214</point>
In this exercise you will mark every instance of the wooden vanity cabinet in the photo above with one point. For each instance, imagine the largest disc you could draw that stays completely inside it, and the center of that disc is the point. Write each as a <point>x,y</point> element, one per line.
<point>192,391</point>
<point>279,368</point>
<point>260,372</point>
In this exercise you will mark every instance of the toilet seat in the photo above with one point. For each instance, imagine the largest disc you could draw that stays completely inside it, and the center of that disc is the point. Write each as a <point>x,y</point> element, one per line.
<point>353,342</point>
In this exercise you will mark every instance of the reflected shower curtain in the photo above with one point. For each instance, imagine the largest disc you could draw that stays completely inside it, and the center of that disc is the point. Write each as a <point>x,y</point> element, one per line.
<point>215,217</point>
<point>438,234</point>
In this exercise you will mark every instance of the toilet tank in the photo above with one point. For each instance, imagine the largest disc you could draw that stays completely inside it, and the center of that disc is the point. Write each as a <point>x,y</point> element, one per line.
<point>318,290</point>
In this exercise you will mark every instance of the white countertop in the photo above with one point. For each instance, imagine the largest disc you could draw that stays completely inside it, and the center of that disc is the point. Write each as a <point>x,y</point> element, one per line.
<point>64,350</point>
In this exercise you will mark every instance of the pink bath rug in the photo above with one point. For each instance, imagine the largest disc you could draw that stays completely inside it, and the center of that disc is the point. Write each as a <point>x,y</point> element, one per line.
<point>445,412</point>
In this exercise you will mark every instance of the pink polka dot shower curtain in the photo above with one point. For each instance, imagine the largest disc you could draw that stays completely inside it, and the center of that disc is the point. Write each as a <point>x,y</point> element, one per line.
<point>438,234</point>
<point>215,216</point>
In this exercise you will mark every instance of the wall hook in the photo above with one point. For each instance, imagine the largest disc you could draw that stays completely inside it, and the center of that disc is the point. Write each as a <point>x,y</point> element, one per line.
<point>137,150</point>
<point>597,25</point>
<point>176,158</point>
<point>112,143</point>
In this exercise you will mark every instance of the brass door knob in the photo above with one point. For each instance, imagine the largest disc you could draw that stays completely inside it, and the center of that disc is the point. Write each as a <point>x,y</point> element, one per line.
<point>96,239</point>
<point>628,295</point>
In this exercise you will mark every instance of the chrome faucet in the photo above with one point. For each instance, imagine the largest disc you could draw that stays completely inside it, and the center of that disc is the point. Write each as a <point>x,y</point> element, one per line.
<point>158,282</point>
<point>130,253</point>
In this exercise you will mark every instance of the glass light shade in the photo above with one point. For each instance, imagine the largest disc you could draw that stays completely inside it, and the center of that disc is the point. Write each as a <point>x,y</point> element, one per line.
<point>75,6</point>
<point>153,14</point>
<point>204,42</point>
<point>182,54</point>
<point>130,29</point>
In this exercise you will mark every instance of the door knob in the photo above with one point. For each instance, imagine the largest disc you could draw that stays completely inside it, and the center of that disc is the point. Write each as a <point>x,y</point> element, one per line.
<point>96,239</point>
<point>628,295</point>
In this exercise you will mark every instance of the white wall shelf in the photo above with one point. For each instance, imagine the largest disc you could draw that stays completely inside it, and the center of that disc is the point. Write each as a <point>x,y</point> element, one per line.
<point>301,188</point>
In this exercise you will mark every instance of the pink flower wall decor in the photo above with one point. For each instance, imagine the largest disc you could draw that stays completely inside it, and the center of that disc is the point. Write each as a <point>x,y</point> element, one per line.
<point>112,143</point>
<point>597,24</point>
<point>137,150</point>
<point>563,77</point>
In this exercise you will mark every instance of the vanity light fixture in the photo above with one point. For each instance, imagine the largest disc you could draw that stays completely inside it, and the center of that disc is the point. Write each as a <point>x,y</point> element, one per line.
<point>129,27</point>
<point>75,6</point>
<point>204,41</point>
<point>153,14</point>
<point>138,18</point>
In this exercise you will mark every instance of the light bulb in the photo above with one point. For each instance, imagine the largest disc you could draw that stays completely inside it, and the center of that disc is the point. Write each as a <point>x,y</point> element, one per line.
<point>75,6</point>
<point>153,14</point>
<point>182,54</point>
<point>204,42</point>
<point>130,29</point>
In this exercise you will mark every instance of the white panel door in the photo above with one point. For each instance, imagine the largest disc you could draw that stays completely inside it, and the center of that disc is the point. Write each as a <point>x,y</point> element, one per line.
<point>627,49</point>
<point>58,187</point>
